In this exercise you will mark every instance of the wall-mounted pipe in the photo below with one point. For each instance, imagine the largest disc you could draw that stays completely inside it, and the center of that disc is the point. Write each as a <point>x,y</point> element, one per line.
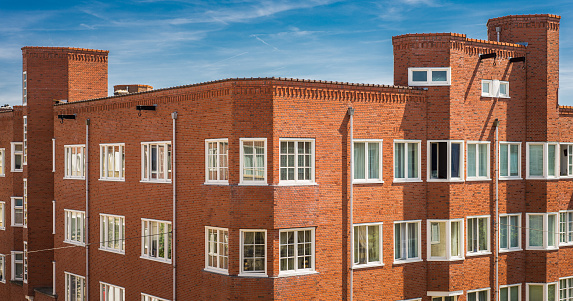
<point>351,201</point>
<point>174,226</point>
<point>87,219</point>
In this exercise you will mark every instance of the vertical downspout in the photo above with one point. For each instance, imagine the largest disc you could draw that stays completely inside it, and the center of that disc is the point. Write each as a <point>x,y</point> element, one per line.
<point>496,124</point>
<point>87,224</point>
<point>173,238</point>
<point>351,200</point>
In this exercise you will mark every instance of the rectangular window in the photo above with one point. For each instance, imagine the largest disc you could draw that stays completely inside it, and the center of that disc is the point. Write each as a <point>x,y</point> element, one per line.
<point>25,143</point>
<point>156,161</point>
<point>566,159</point>
<point>75,287</point>
<point>296,250</point>
<point>253,252</point>
<point>2,216</point>
<point>17,212</point>
<point>446,239</point>
<point>24,88</point>
<point>112,162</point>
<point>510,232</point>
<point>429,76</point>
<point>509,160</point>
<point>2,268</point>
<point>542,231</point>
<point>112,233</point>
<point>407,160</point>
<point>541,291</point>
<point>566,227</point>
<point>156,240</point>
<point>74,231</point>
<point>510,292</point>
<point>253,161</point>
<point>146,297</point>
<point>494,88</point>
<point>445,298</point>
<point>478,295</point>
<point>407,241</point>
<point>25,199</point>
<point>566,289</point>
<point>367,161</point>
<point>17,156</point>
<point>478,161</point>
<point>25,262</point>
<point>367,245</point>
<point>542,160</point>
<point>110,292</point>
<point>17,265</point>
<point>2,161</point>
<point>217,249</point>
<point>74,164</point>
<point>478,235</point>
<point>296,161</point>
<point>217,157</point>
<point>445,160</point>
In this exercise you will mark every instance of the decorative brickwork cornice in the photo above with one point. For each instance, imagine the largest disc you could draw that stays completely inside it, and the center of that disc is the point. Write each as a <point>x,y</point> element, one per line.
<point>549,21</point>
<point>76,54</point>
<point>348,95</point>
<point>566,111</point>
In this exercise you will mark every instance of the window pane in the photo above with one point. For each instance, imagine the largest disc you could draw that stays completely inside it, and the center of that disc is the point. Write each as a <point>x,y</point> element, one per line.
<point>438,235</point>
<point>472,297</point>
<point>455,160</point>
<point>514,160</point>
<point>412,240</point>
<point>485,87</point>
<point>483,160</point>
<point>536,230</point>
<point>471,160</point>
<point>440,76</point>
<point>535,293</point>
<point>504,294</point>
<point>373,160</point>
<point>503,233</point>
<point>514,292</point>
<point>359,160</point>
<point>412,160</point>
<point>399,158</point>
<point>536,160</point>
<point>455,242</point>
<point>503,89</point>
<point>503,160</point>
<point>373,243</point>
<point>419,76</point>
<point>397,241</point>
<point>551,221</point>
<point>482,234</point>
<point>514,231</point>
<point>551,160</point>
<point>551,292</point>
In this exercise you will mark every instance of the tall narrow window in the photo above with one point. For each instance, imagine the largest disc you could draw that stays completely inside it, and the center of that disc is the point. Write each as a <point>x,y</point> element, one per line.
<point>446,160</point>
<point>112,162</point>
<point>112,233</point>
<point>74,163</point>
<point>2,216</point>
<point>17,265</point>
<point>478,161</point>
<point>478,295</point>
<point>566,159</point>
<point>253,161</point>
<point>296,250</point>
<point>156,240</point>
<point>478,235</point>
<point>74,231</point>
<point>156,161</point>
<point>406,160</point>
<point>25,205</point>
<point>510,232</point>
<point>367,244</point>
<point>109,292</point>
<point>253,252</point>
<point>17,212</point>
<point>217,249</point>
<point>2,268</point>
<point>566,227</point>
<point>542,231</point>
<point>25,143</point>
<point>75,287</point>
<point>2,161</point>
<point>541,291</point>
<point>297,161</point>
<point>217,157</point>
<point>407,241</point>
<point>25,262</point>
<point>510,160</point>
<point>446,239</point>
<point>24,88</point>
<point>542,160</point>
<point>17,156</point>
<point>367,161</point>
<point>510,292</point>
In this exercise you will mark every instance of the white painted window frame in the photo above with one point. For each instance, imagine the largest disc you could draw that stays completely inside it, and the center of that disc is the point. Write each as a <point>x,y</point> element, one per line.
<point>509,144</point>
<point>380,251</point>
<point>429,81</point>
<point>567,289</point>
<point>495,88</point>
<point>509,286</point>
<point>419,227</point>
<point>2,162</point>
<point>104,232</point>
<point>25,88</point>
<point>111,295</point>
<point>241,254</point>
<point>2,215</point>
<point>167,154</point>
<point>68,227</point>
<point>449,163</point>
<point>103,164</point>
<point>218,167</point>
<point>147,297</point>
<point>296,181</point>
<point>77,278</point>
<point>476,291</point>
<point>13,213</point>
<point>25,140</point>
<point>166,258</point>
<point>296,270</point>
<point>448,223</point>
<point>545,289</point>
<point>545,231</point>
<point>488,168</point>
<point>568,160</point>
<point>15,262</point>
<point>379,179</point>
<point>25,266</point>
<point>568,222</point>
<point>224,271</point>
<point>406,158</point>
<point>265,169</point>
<point>545,175</point>
<point>15,153</point>
<point>25,203</point>
<point>68,157</point>
<point>519,223</point>
<point>2,268</point>
<point>488,235</point>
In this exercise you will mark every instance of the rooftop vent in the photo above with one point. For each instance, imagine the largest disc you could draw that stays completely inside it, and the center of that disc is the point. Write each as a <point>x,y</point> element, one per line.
<point>128,89</point>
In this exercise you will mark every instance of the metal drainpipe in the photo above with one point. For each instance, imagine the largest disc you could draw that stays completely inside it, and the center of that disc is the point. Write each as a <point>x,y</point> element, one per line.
<point>351,200</point>
<point>87,228</point>
<point>173,244</point>
<point>496,124</point>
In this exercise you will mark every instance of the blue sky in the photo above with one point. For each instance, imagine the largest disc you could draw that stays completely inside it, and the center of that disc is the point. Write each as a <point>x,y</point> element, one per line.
<point>170,43</point>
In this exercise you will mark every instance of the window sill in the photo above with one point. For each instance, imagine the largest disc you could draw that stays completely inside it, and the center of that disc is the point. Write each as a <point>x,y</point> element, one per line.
<point>295,184</point>
<point>478,179</point>
<point>510,178</point>
<point>254,275</point>
<point>17,170</point>
<point>19,282</point>
<point>216,271</point>
<point>74,178</point>
<point>168,261</point>
<point>368,182</point>
<point>2,175</point>
<point>217,183</point>
<point>291,274</point>
<point>367,265</point>
<point>542,178</point>
<point>77,243</point>
<point>112,251</point>
<point>510,250</point>
<point>111,180</point>
<point>444,259</point>
<point>446,180</point>
<point>541,249</point>
<point>408,261</point>
<point>17,226</point>
<point>408,180</point>
<point>253,184</point>
<point>473,254</point>
<point>2,228</point>
<point>566,244</point>
<point>156,182</point>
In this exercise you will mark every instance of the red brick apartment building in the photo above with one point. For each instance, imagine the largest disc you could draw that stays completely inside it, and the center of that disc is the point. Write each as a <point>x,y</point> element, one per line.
<point>454,184</point>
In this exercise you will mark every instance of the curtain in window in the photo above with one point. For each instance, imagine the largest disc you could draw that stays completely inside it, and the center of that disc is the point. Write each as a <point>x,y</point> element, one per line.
<point>551,221</point>
<point>536,230</point>
<point>412,240</point>
<point>359,161</point>
<point>482,222</point>
<point>536,160</point>
<point>551,160</point>
<point>504,231</point>
<point>373,160</point>
<point>514,232</point>
<point>455,232</point>
<point>503,160</point>
<point>373,243</point>
<point>483,159</point>
<point>472,160</point>
<point>514,160</point>
<point>398,253</point>
<point>360,248</point>
<point>399,157</point>
<point>412,160</point>
<point>455,160</point>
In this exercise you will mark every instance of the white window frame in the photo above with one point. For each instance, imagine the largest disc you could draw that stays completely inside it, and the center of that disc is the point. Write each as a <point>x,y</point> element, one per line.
<point>477,177</point>
<point>545,231</point>
<point>241,254</point>
<point>449,163</point>
<point>82,282</point>
<point>168,248</point>
<point>147,297</point>
<point>407,177</point>
<point>509,248</point>
<point>146,168</point>
<point>509,144</point>
<point>25,140</point>
<point>25,266</point>
<point>103,164</point>
<point>488,235</point>
<point>448,223</point>
<point>380,251</point>
<point>25,204</point>
<point>545,175</point>
<point>2,162</point>
<point>17,262</point>
<point>442,294</point>
<point>113,294</point>
<point>217,166</point>
<point>297,181</point>
<point>242,167</point>
<point>429,81</point>
<point>545,290</point>
<point>2,268</point>
<point>566,219</point>
<point>69,156</point>
<point>476,291</point>
<point>13,213</point>
<point>509,286</point>
<point>495,88</point>
<point>25,88</point>
<point>14,154</point>
<point>2,216</point>
<point>296,270</point>
<point>218,254</point>
<point>567,288</point>
<point>566,160</point>
<point>407,237</point>
<point>379,179</point>
<point>68,227</point>
<point>413,299</point>
<point>104,232</point>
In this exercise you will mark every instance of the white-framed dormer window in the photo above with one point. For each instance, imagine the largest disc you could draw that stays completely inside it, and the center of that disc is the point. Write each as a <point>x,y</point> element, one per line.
<point>407,160</point>
<point>112,162</point>
<point>482,294</point>
<point>367,245</point>
<point>217,161</point>
<point>478,160</point>
<point>110,292</point>
<point>112,233</point>
<point>367,161</point>
<point>25,140</point>
<point>217,249</point>
<point>2,268</point>
<point>74,231</point>
<point>253,161</point>
<point>296,161</point>
<point>435,76</point>
<point>510,232</point>
<point>2,216</point>
<point>509,160</point>
<point>17,216</point>
<point>511,292</point>
<point>75,287</point>
<point>17,265</point>
<point>542,232</point>
<point>24,88</point>
<point>445,240</point>
<point>445,160</point>
<point>146,297</point>
<point>542,160</point>
<point>565,288</point>
<point>74,163</point>
<point>156,161</point>
<point>156,240</point>
<point>296,250</point>
<point>17,156</point>
<point>494,88</point>
<point>2,161</point>
<point>566,160</point>
<point>566,228</point>
<point>407,241</point>
<point>478,235</point>
<point>253,254</point>
<point>541,291</point>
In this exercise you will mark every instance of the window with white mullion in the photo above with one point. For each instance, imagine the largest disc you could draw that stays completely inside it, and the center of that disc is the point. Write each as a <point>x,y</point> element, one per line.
<point>566,227</point>
<point>542,160</point>
<point>509,160</point>
<point>17,156</point>
<point>75,287</point>
<point>541,291</point>
<point>253,252</point>
<point>478,160</point>
<point>510,292</point>
<point>296,160</point>
<point>74,163</point>
<point>2,216</point>
<point>367,245</point>
<point>445,160</point>
<point>296,249</point>
<point>112,161</point>
<point>566,289</point>
<point>146,297</point>
<point>446,239</point>
<point>542,231</point>
<point>156,161</point>
<point>25,204</point>
<point>253,161</point>
<point>566,159</point>
<point>17,265</point>
<point>2,268</point>
<point>478,235</point>
<point>217,165</point>
<point>478,295</point>
<point>74,226</point>
<point>17,217</point>
<point>407,158</point>
<point>2,161</point>
<point>217,249</point>
<point>109,292</point>
<point>25,262</point>
<point>112,233</point>
<point>156,240</point>
<point>510,232</point>
<point>367,161</point>
<point>25,139</point>
<point>407,241</point>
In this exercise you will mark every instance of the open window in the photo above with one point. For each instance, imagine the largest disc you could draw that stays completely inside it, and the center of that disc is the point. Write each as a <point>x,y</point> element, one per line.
<point>446,160</point>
